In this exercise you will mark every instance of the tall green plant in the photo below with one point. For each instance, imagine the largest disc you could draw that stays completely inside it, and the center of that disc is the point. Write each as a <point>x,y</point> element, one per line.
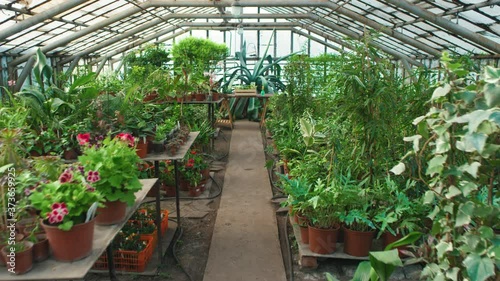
<point>457,150</point>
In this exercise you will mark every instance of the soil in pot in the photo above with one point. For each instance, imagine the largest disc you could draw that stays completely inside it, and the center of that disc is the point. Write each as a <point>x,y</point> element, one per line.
<point>323,241</point>
<point>357,243</point>
<point>113,213</point>
<point>19,262</point>
<point>71,245</point>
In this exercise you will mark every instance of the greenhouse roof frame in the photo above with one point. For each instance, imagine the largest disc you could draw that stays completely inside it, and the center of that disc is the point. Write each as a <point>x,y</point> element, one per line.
<point>407,30</point>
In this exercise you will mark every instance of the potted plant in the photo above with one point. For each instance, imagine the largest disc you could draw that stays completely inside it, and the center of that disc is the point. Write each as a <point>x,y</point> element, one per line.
<point>323,216</point>
<point>167,177</point>
<point>116,161</point>
<point>18,257</point>
<point>67,207</point>
<point>192,176</point>
<point>40,243</point>
<point>161,134</point>
<point>359,230</point>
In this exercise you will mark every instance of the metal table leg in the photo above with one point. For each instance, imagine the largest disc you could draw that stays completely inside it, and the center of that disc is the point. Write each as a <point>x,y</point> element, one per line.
<point>111,264</point>
<point>158,212</point>
<point>177,201</point>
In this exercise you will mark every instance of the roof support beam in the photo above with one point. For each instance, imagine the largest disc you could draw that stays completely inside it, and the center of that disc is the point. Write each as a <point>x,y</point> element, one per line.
<point>80,33</point>
<point>317,40</point>
<point>356,36</point>
<point>381,28</point>
<point>170,16</point>
<point>38,18</point>
<point>72,65</point>
<point>244,3</point>
<point>24,74</point>
<point>446,24</point>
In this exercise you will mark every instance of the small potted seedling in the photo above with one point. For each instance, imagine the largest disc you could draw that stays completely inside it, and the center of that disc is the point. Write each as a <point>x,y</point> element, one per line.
<point>18,257</point>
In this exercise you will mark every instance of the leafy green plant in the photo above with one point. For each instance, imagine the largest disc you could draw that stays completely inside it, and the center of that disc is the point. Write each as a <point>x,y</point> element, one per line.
<point>116,161</point>
<point>67,201</point>
<point>456,150</point>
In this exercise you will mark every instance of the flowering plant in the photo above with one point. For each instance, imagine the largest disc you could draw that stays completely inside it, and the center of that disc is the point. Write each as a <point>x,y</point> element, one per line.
<point>197,160</point>
<point>68,200</point>
<point>191,173</point>
<point>116,161</point>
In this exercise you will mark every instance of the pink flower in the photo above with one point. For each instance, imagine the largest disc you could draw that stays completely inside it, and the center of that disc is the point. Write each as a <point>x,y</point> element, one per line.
<point>65,177</point>
<point>126,137</point>
<point>59,210</point>
<point>93,176</point>
<point>83,138</point>
<point>11,83</point>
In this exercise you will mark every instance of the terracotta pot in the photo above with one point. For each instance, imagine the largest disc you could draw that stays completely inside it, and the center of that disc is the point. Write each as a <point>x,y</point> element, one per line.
<point>388,238</point>
<point>20,262</point>
<point>179,99</point>
<point>71,245</point>
<point>188,97</point>
<point>357,243</point>
<point>150,140</point>
<point>304,234</point>
<point>142,148</point>
<point>70,154</point>
<point>205,174</point>
<point>19,238</point>
<point>23,223</point>
<point>215,96</point>
<point>41,248</point>
<point>323,241</point>
<point>200,97</point>
<point>183,184</point>
<point>113,213</point>
<point>194,191</point>
<point>170,190</point>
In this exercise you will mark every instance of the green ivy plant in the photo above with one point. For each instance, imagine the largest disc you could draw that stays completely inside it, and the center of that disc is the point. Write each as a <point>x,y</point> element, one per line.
<point>457,149</point>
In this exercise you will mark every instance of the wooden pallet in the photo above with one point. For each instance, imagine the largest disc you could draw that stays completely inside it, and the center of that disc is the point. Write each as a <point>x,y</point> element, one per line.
<point>309,260</point>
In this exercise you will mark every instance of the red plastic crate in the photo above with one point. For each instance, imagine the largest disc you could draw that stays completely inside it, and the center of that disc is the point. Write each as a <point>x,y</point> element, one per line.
<point>130,261</point>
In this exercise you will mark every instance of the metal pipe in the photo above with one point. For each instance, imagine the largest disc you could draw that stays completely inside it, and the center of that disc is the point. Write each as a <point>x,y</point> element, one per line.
<point>446,24</point>
<point>72,66</point>
<point>244,3</point>
<point>26,71</point>
<point>38,18</point>
<point>317,40</point>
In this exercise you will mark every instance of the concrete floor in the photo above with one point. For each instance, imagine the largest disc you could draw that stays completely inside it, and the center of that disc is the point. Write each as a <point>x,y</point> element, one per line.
<point>245,244</point>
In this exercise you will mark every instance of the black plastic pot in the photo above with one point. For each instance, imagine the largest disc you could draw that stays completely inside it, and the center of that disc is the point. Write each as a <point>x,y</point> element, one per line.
<point>158,146</point>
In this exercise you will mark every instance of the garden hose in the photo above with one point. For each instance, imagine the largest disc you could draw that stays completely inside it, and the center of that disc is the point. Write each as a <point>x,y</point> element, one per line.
<point>181,231</point>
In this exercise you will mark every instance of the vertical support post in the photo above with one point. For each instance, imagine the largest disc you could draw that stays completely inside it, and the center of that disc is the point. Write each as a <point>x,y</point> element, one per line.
<point>177,201</point>
<point>26,71</point>
<point>111,263</point>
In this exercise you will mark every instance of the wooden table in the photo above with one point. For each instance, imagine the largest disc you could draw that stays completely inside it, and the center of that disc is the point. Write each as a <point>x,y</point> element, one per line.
<point>156,158</point>
<point>264,97</point>
<point>51,269</point>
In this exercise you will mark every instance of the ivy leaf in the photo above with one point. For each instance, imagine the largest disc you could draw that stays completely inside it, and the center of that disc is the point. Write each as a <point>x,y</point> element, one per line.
<point>471,169</point>
<point>416,141</point>
<point>492,95</point>
<point>443,247</point>
<point>479,268</point>
<point>441,91</point>
<point>491,74</point>
<point>436,165</point>
<point>474,142</point>
<point>418,120</point>
<point>443,143</point>
<point>398,169</point>
<point>452,273</point>
<point>434,212</point>
<point>464,214</point>
<point>452,192</point>
<point>429,197</point>
<point>474,118</point>
<point>486,232</point>
<point>468,188</point>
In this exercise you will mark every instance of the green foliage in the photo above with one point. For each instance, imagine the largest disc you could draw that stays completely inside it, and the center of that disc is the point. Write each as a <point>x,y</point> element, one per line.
<point>456,150</point>
<point>197,55</point>
<point>76,193</point>
<point>117,164</point>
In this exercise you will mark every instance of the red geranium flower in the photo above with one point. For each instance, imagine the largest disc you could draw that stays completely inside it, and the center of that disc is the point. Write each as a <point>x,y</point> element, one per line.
<point>93,176</point>
<point>66,176</point>
<point>59,210</point>
<point>83,138</point>
<point>126,137</point>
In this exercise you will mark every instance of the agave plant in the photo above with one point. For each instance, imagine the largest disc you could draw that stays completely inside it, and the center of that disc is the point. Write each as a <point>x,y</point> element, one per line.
<point>266,75</point>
